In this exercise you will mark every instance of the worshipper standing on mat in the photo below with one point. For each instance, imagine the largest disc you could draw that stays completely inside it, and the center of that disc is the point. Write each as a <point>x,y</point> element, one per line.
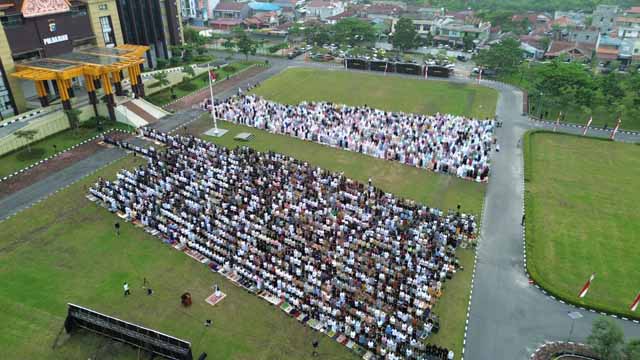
<point>345,256</point>
<point>443,143</point>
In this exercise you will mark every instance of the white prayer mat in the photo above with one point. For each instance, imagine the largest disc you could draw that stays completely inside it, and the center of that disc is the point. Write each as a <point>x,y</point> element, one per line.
<point>213,299</point>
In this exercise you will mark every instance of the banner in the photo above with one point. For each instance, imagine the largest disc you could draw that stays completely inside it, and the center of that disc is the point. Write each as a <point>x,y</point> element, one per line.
<point>426,72</point>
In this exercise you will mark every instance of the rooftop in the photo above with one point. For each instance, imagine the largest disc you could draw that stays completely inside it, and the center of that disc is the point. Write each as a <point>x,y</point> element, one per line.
<point>234,6</point>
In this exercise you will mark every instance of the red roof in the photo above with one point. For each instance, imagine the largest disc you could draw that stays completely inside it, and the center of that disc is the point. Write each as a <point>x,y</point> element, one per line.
<point>562,21</point>
<point>233,6</point>
<point>634,10</point>
<point>383,9</point>
<point>561,47</point>
<point>229,22</point>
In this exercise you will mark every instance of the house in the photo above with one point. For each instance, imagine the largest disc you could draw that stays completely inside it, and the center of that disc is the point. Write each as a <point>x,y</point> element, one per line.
<point>383,11</point>
<point>225,24</point>
<point>604,18</point>
<point>263,20</point>
<point>452,31</point>
<point>583,35</point>
<point>286,4</point>
<point>574,50</point>
<point>257,7</point>
<point>231,10</point>
<point>323,9</point>
<point>534,46</point>
<point>628,27</point>
<point>577,17</point>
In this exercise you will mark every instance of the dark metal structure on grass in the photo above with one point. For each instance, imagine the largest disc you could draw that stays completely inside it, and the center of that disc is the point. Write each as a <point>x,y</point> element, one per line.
<point>149,340</point>
<point>398,67</point>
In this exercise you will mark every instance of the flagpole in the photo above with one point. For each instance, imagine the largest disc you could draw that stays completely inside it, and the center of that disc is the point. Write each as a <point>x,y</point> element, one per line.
<point>586,128</point>
<point>215,121</point>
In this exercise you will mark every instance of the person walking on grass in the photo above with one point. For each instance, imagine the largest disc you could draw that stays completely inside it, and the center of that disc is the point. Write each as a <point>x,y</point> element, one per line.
<point>125,286</point>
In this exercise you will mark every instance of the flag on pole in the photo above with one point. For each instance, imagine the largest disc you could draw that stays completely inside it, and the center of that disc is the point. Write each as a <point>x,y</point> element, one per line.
<point>479,75</point>
<point>212,75</point>
<point>557,122</point>
<point>635,303</point>
<point>615,130</point>
<point>586,286</point>
<point>586,128</point>
<point>426,72</point>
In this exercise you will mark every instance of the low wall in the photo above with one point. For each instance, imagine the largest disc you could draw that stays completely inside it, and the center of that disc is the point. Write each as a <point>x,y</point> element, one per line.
<point>48,124</point>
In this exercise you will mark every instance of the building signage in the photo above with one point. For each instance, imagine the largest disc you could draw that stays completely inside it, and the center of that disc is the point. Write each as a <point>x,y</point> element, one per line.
<point>55,39</point>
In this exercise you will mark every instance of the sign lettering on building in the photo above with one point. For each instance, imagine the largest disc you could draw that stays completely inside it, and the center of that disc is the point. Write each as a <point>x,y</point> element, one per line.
<point>55,39</point>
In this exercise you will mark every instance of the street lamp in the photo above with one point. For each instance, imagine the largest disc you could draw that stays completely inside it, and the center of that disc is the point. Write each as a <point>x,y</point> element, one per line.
<point>540,104</point>
<point>573,315</point>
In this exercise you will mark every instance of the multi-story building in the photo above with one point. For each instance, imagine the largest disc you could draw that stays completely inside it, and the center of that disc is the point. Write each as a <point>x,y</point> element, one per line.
<point>34,29</point>
<point>604,17</point>
<point>156,23</point>
<point>324,9</point>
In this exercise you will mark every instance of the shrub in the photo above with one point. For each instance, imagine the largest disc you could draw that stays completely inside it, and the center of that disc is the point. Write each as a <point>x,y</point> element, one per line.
<point>161,64</point>
<point>187,86</point>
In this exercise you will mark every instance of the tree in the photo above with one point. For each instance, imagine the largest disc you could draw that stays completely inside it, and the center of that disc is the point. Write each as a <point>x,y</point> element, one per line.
<point>317,35</point>
<point>176,50</point>
<point>74,118</point>
<point>353,31</point>
<point>606,338</point>
<point>161,77</point>
<point>405,36</point>
<point>504,57</point>
<point>189,71</point>
<point>27,135</point>
<point>632,349</point>
<point>243,42</point>
<point>544,43</point>
<point>467,41</point>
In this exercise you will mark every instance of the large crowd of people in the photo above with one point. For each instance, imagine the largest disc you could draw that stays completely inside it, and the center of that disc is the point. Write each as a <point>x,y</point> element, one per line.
<point>353,259</point>
<point>443,143</point>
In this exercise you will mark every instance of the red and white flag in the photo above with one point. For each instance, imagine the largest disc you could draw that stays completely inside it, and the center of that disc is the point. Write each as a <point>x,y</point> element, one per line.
<point>212,75</point>
<point>635,303</point>
<point>557,122</point>
<point>426,72</point>
<point>479,75</point>
<point>586,128</point>
<point>615,130</point>
<point>586,286</point>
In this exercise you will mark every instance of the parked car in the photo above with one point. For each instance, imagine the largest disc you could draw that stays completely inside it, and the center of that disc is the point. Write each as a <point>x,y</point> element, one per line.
<point>462,58</point>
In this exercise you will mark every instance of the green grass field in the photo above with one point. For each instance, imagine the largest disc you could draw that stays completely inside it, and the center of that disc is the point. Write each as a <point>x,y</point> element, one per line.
<point>42,149</point>
<point>388,93</point>
<point>583,216</point>
<point>163,97</point>
<point>64,250</point>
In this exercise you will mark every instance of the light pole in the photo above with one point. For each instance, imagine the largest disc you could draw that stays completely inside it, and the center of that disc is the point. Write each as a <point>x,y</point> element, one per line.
<point>573,315</point>
<point>540,104</point>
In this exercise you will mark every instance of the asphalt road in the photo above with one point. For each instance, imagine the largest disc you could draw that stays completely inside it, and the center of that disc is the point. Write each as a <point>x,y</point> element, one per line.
<point>509,318</point>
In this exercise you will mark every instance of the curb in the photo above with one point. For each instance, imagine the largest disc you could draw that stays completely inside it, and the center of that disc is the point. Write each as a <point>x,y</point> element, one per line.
<point>23,117</point>
<point>473,277</point>
<point>577,126</point>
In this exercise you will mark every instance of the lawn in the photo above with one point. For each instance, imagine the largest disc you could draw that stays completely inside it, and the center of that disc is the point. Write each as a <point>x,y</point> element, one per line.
<point>436,190</point>
<point>389,93</point>
<point>163,97</point>
<point>71,254</point>
<point>42,149</point>
<point>583,216</point>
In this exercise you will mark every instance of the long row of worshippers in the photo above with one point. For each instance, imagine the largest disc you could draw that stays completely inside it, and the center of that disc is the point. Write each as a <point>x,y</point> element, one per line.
<point>344,257</point>
<point>443,143</point>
